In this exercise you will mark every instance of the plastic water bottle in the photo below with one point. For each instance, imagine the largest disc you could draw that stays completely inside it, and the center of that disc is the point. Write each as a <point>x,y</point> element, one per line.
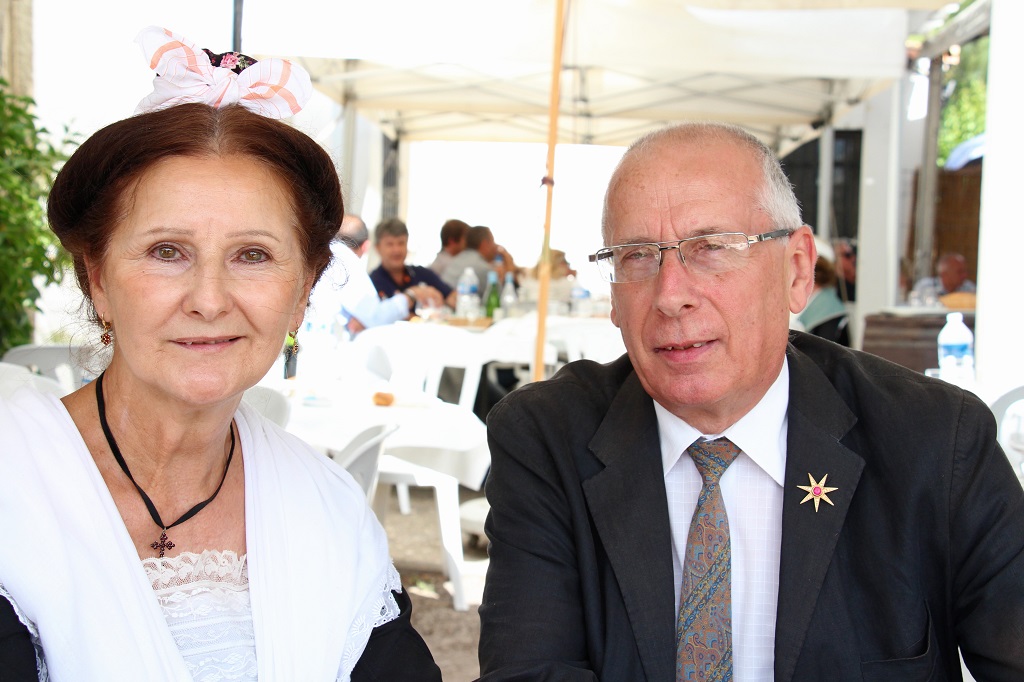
<point>467,296</point>
<point>492,294</point>
<point>956,352</point>
<point>509,297</point>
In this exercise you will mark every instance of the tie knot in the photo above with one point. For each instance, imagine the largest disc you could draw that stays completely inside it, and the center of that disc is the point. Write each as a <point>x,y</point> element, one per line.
<point>713,457</point>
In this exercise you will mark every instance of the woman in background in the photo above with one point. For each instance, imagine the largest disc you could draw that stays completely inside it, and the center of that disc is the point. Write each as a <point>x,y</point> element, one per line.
<point>825,314</point>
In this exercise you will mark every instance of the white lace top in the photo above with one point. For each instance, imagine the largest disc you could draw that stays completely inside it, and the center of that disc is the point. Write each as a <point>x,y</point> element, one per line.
<point>205,601</point>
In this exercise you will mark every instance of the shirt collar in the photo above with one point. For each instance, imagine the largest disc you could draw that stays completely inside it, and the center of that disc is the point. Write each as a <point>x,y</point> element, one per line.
<point>767,418</point>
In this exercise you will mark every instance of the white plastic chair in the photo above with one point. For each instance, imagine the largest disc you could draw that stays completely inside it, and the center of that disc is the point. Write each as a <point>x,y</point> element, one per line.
<point>13,377</point>
<point>396,471</point>
<point>361,457</point>
<point>1013,450</point>
<point>269,402</point>
<point>414,355</point>
<point>586,338</point>
<point>512,343</point>
<point>60,363</point>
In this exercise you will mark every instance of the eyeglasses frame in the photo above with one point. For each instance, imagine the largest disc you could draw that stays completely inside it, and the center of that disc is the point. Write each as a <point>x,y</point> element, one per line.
<point>606,252</point>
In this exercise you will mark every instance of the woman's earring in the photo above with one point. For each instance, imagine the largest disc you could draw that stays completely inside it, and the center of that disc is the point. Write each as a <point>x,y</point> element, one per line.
<point>294,342</point>
<point>106,338</point>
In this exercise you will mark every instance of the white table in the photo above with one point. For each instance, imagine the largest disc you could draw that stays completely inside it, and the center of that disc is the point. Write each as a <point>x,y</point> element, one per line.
<point>431,433</point>
<point>436,445</point>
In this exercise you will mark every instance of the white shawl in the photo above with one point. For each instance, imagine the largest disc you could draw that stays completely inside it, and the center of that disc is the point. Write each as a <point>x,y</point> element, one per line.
<point>319,569</point>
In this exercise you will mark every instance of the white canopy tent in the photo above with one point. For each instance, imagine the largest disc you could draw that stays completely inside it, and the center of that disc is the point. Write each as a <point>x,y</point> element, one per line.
<point>783,69</point>
<point>471,70</point>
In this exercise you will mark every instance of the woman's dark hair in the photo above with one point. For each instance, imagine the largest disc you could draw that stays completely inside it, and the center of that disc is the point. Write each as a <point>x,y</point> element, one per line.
<point>92,192</point>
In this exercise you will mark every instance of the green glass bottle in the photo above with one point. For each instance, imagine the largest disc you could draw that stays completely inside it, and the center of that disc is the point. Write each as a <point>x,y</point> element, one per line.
<point>492,299</point>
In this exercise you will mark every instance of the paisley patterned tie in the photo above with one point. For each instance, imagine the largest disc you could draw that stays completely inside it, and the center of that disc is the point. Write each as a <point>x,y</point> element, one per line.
<point>704,628</point>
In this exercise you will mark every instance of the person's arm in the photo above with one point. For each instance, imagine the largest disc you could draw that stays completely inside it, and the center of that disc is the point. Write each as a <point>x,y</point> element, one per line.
<point>432,279</point>
<point>372,311</point>
<point>531,620</point>
<point>396,652</point>
<point>424,293</point>
<point>987,550</point>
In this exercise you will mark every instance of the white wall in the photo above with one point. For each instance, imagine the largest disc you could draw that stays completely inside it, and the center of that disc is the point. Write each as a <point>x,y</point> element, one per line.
<point>999,321</point>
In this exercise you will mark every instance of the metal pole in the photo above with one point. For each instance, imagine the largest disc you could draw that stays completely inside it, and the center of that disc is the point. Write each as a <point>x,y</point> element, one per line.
<point>236,38</point>
<point>826,171</point>
<point>927,181</point>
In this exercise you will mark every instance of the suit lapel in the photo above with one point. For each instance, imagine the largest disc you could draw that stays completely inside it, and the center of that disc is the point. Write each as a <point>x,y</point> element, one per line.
<point>629,508</point>
<point>818,420</point>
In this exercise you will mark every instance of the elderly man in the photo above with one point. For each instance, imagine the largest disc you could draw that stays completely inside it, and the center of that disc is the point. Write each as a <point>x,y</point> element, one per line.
<point>731,502</point>
<point>952,277</point>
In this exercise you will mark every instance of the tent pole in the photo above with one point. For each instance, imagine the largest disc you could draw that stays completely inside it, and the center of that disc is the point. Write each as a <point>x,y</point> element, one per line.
<point>928,180</point>
<point>236,27</point>
<point>544,275</point>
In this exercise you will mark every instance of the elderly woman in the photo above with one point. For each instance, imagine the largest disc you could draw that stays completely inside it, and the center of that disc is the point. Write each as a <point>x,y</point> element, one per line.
<point>154,527</point>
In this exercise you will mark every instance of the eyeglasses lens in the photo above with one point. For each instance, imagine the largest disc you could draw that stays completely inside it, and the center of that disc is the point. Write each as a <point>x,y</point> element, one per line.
<point>711,254</point>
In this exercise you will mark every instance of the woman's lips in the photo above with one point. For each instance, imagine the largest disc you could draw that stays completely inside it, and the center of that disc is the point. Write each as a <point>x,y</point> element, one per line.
<point>206,342</point>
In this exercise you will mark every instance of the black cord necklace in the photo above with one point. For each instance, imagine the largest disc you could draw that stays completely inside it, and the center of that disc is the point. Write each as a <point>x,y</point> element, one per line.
<point>163,544</point>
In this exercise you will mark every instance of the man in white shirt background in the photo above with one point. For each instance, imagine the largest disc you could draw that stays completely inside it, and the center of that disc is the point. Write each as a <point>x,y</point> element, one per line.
<point>345,298</point>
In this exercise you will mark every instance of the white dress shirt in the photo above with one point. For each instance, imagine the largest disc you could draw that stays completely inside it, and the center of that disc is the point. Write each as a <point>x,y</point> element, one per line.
<point>752,492</point>
<point>345,291</point>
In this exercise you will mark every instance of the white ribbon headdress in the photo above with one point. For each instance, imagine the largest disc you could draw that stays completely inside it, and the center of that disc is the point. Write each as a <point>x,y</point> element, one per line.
<point>274,88</point>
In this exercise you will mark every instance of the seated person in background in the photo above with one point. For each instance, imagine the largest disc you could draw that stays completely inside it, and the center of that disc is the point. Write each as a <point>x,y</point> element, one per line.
<point>391,239</point>
<point>825,315</point>
<point>480,250</point>
<point>503,263</point>
<point>951,270</point>
<point>197,228</point>
<point>345,295</point>
<point>846,270</point>
<point>563,279</point>
<point>453,241</point>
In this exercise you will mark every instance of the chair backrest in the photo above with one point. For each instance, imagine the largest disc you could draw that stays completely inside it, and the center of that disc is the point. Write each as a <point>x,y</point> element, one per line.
<point>514,341</point>
<point>1011,441</point>
<point>60,363</point>
<point>362,455</point>
<point>13,377</point>
<point>414,354</point>
<point>586,338</point>
<point>271,403</point>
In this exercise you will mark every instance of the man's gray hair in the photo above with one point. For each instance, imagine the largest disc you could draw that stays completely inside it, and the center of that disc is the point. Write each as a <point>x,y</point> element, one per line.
<point>392,227</point>
<point>353,231</point>
<point>775,196</point>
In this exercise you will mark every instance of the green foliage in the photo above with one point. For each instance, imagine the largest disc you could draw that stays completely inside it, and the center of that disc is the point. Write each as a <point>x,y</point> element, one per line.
<point>28,249</point>
<point>963,115</point>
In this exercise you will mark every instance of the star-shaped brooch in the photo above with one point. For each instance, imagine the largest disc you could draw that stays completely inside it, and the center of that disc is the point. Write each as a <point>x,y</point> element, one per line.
<point>816,491</point>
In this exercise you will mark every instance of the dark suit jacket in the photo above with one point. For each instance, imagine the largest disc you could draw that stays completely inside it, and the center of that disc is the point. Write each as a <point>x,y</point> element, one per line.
<point>922,552</point>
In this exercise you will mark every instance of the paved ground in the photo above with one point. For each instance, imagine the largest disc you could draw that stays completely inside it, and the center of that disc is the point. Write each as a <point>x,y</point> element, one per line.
<point>416,548</point>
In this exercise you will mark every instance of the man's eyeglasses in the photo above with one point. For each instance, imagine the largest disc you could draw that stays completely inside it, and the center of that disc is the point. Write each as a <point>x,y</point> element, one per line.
<point>704,255</point>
